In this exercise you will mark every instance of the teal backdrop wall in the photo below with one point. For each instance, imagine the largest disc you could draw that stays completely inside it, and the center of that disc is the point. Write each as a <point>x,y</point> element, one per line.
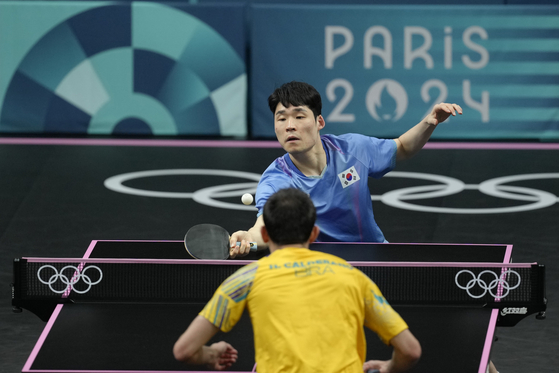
<point>206,67</point>
<point>381,69</point>
<point>102,68</point>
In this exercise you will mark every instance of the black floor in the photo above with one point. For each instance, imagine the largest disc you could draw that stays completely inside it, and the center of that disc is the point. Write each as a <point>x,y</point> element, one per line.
<point>53,202</point>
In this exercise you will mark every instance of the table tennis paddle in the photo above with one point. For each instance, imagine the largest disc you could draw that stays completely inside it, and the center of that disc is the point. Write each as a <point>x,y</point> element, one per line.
<point>209,241</point>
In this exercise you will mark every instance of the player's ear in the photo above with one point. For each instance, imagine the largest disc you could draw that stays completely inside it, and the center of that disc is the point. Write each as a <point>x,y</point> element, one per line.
<point>264,233</point>
<point>314,234</point>
<point>321,122</point>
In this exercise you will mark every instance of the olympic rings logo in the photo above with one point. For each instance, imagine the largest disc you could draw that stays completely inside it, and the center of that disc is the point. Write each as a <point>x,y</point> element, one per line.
<point>70,280</point>
<point>445,186</point>
<point>493,187</point>
<point>498,283</point>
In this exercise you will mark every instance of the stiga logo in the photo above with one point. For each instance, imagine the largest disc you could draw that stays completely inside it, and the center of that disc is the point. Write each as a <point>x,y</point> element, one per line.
<point>514,311</point>
<point>348,177</point>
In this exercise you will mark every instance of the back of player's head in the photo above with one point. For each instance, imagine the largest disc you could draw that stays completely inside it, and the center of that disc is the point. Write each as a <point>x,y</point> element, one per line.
<point>296,94</point>
<point>289,217</point>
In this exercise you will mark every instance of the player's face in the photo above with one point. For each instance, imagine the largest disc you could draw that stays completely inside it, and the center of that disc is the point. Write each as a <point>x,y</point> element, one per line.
<point>296,128</point>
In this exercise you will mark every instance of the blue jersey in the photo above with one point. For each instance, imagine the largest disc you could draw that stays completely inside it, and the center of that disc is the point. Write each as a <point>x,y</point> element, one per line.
<point>341,193</point>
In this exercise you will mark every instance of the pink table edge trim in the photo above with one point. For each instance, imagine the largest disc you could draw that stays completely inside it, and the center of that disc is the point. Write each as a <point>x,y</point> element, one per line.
<point>141,142</point>
<point>254,143</point>
<point>42,338</point>
<point>117,371</point>
<point>508,254</point>
<point>488,341</point>
<point>243,262</point>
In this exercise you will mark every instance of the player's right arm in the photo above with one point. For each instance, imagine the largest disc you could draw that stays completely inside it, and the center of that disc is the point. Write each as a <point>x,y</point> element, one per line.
<point>406,354</point>
<point>245,237</point>
<point>381,318</point>
<point>191,349</point>
<point>222,312</point>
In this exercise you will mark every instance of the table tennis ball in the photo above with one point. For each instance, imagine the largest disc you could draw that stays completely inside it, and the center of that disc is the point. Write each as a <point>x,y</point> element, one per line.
<point>247,198</point>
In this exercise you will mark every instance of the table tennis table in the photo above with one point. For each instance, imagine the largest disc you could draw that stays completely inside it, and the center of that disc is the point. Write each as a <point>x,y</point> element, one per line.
<point>137,334</point>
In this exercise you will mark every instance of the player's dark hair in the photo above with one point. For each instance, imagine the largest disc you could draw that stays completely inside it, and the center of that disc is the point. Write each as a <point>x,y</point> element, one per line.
<point>289,216</point>
<point>296,94</point>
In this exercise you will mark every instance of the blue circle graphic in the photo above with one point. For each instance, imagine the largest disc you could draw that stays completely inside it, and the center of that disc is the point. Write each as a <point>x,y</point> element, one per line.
<point>107,70</point>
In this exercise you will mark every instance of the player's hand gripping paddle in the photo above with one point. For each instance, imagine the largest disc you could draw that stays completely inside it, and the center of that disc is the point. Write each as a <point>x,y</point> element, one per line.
<point>209,241</point>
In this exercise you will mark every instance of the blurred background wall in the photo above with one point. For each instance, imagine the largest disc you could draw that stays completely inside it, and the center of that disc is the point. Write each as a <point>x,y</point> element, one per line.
<point>205,68</point>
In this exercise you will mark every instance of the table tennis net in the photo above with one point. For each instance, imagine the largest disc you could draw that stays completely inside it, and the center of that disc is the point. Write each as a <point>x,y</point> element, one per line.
<point>55,281</point>
<point>123,281</point>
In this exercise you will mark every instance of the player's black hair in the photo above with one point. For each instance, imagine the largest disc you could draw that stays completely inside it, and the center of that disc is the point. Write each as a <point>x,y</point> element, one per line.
<point>296,94</point>
<point>289,216</point>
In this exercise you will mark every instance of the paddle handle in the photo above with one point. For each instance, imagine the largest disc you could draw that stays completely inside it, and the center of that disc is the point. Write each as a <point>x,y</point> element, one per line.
<point>253,246</point>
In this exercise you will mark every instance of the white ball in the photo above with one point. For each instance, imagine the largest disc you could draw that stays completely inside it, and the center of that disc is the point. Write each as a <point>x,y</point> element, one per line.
<point>247,198</point>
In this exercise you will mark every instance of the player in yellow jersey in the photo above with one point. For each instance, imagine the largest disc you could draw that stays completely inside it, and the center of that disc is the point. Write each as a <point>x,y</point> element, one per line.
<point>307,308</point>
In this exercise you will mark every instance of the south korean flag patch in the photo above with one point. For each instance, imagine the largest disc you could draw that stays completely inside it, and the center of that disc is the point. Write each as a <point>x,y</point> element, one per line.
<point>348,177</point>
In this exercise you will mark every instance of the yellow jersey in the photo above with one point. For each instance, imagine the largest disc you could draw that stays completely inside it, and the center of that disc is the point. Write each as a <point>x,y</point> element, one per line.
<point>307,309</point>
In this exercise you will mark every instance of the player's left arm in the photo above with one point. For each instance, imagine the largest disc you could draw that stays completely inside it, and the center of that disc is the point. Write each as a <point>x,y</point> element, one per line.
<point>411,142</point>
<point>190,347</point>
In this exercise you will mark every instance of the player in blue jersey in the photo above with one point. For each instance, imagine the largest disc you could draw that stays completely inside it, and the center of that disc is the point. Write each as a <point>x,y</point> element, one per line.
<point>333,170</point>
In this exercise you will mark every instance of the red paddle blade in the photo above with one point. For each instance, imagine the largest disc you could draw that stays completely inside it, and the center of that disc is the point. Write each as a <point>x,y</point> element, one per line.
<point>207,241</point>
